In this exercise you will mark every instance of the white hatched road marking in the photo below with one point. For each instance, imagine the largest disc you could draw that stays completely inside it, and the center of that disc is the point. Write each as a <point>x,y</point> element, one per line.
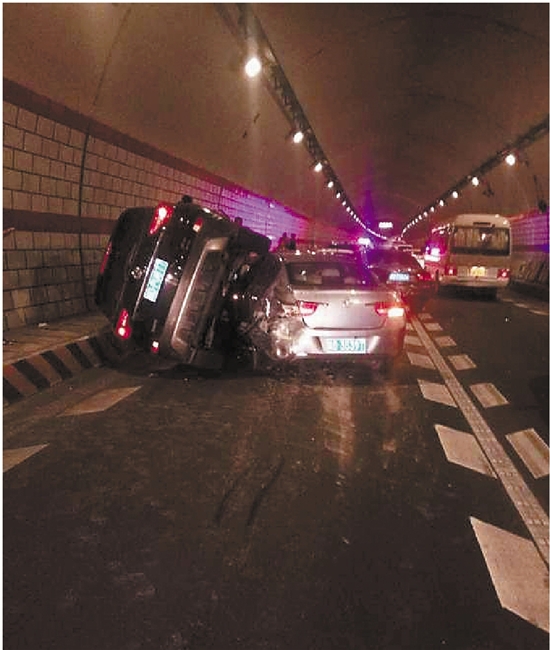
<point>445,341</point>
<point>533,515</point>
<point>433,327</point>
<point>436,392</point>
<point>518,573</point>
<point>100,401</point>
<point>461,362</point>
<point>409,327</point>
<point>425,316</point>
<point>532,450</point>
<point>463,449</point>
<point>421,360</point>
<point>488,395</point>
<point>13,457</point>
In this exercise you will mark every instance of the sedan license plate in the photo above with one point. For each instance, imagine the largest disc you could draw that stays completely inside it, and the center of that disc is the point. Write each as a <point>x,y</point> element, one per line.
<point>346,346</point>
<point>477,271</point>
<point>155,280</point>
<point>397,276</point>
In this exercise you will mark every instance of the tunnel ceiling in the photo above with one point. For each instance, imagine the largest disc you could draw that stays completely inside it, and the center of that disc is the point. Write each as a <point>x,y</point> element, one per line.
<point>404,99</point>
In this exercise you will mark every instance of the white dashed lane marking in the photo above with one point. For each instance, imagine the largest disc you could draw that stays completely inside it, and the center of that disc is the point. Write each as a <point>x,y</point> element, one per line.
<point>421,360</point>
<point>532,450</point>
<point>461,362</point>
<point>433,327</point>
<point>463,449</point>
<point>529,509</point>
<point>436,392</point>
<point>488,395</point>
<point>518,573</point>
<point>12,457</point>
<point>412,340</point>
<point>101,401</point>
<point>445,341</point>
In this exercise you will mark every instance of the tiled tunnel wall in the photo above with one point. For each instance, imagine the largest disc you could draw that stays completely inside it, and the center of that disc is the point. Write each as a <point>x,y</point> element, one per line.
<point>66,179</point>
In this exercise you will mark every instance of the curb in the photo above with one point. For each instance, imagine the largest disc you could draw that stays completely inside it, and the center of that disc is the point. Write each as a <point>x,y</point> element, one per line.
<point>38,372</point>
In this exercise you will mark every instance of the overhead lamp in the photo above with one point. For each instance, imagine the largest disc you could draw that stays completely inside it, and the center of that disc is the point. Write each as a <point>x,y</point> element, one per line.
<point>338,195</point>
<point>298,137</point>
<point>475,181</point>
<point>253,67</point>
<point>425,214</point>
<point>432,209</point>
<point>441,202</point>
<point>510,159</point>
<point>455,194</point>
<point>330,184</point>
<point>318,167</point>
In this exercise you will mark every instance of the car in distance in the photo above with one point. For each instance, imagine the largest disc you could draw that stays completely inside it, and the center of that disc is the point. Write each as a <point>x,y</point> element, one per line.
<point>401,271</point>
<point>164,276</point>
<point>321,305</point>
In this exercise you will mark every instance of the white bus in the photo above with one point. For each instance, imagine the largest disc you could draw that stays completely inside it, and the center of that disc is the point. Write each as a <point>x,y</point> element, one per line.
<point>470,250</point>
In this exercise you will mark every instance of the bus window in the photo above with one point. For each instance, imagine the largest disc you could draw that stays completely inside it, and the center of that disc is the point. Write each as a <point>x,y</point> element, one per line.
<point>487,240</point>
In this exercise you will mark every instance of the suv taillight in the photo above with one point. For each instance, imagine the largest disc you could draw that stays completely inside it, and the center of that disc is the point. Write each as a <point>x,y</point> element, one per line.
<point>161,216</point>
<point>123,328</point>
<point>503,273</point>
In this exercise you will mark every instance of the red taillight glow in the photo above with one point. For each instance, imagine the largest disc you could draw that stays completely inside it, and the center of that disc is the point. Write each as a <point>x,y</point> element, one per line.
<point>161,216</point>
<point>105,259</point>
<point>424,276</point>
<point>503,273</point>
<point>391,310</point>
<point>123,328</point>
<point>198,224</point>
<point>451,270</point>
<point>308,308</point>
<point>154,347</point>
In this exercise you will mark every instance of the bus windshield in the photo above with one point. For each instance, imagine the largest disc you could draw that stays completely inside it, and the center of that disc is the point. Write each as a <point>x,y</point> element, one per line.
<point>484,240</point>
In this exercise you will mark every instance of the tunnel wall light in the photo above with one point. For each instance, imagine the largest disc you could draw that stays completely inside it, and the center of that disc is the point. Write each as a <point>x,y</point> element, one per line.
<point>510,159</point>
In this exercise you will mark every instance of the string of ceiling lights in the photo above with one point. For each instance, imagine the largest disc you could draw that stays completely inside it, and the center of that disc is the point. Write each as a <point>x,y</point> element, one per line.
<point>509,154</point>
<point>260,59</point>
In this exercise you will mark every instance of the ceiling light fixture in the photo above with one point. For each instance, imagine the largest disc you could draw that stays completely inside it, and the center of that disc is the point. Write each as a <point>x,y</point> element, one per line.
<point>318,167</point>
<point>253,67</point>
<point>510,159</point>
<point>297,137</point>
<point>475,181</point>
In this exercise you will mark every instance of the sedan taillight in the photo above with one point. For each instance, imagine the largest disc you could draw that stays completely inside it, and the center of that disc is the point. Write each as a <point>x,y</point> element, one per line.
<point>423,276</point>
<point>308,308</point>
<point>161,216</point>
<point>451,270</point>
<point>503,273</point>
<point>389,309</point>
<point>123,328</point>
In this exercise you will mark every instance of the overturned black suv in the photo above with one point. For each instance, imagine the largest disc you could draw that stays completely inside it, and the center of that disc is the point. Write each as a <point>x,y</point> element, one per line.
<point>166,280</point>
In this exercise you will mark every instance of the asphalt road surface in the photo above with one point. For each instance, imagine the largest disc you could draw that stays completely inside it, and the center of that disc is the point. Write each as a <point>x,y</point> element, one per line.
<point>150,507</point>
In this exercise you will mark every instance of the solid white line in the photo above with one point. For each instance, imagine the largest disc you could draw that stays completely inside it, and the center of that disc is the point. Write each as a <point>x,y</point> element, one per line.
<point>532,450</point>
<point>530,510</point>
<point>519,575</point>
<point>488,395</point>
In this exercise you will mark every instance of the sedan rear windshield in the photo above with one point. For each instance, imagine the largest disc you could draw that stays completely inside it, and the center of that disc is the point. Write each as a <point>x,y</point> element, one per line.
<point>330,274</point>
